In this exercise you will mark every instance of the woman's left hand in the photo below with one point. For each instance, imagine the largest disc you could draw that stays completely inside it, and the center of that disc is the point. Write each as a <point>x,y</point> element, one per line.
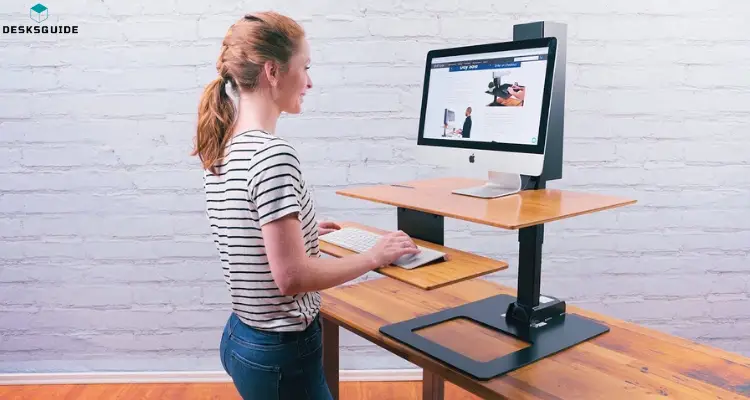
<point>326,227</point>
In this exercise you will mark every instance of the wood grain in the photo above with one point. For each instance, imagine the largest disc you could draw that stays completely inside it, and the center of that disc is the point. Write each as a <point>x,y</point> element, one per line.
<point>527,208</point>
<point>146,391</point>
<point>460,265</point>
<point>626,363</point>
<point>433,386</point>
<point>211,391</point>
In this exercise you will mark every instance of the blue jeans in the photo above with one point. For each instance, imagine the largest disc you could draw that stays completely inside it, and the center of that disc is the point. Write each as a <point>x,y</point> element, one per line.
<point>274,365</point>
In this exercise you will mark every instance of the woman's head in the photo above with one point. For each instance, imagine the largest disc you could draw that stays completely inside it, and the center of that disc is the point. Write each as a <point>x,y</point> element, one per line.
<point>263,54</point>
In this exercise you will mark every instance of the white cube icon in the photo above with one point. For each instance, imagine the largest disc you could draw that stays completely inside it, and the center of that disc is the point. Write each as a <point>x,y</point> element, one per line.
<point>39,13</point>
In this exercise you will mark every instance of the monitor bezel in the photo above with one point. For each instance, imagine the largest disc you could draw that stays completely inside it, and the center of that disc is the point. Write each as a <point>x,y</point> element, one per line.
<point>549,42</point>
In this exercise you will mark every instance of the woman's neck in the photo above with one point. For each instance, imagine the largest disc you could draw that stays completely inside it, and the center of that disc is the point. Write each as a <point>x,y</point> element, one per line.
<point>256,111</point>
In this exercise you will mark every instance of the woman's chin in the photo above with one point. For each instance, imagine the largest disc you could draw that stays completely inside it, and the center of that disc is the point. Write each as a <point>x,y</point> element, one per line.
<point>294,109</point>
<point>298,107</point>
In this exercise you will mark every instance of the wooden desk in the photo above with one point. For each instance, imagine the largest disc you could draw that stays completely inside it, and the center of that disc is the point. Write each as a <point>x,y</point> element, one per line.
<point>567,357</point>
<point>629,362</point>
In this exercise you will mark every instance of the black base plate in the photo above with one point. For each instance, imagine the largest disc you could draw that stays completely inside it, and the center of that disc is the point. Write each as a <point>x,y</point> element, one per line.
<point>554,335</point>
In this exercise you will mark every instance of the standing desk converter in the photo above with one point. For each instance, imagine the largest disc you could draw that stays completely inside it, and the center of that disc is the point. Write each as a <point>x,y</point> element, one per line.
<point>622,360</point>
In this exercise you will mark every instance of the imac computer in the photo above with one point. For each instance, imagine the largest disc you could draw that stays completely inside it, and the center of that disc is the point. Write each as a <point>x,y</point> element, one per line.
<point>486,108</point>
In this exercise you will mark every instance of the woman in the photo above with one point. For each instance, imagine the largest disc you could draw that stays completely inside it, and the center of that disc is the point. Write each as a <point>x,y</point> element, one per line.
<point>262,214</point>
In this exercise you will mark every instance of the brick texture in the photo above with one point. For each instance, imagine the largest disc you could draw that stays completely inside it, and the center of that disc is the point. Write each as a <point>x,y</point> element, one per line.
<point>105,258</point>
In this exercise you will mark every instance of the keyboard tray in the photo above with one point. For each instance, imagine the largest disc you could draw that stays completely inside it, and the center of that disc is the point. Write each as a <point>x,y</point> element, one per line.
<point>458,266</point>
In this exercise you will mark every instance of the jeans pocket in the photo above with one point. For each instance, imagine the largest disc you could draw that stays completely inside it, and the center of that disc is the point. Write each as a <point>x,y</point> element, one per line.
<point>254,380</point>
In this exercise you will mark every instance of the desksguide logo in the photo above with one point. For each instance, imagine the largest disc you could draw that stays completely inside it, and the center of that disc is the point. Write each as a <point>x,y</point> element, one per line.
<point>39,14</point>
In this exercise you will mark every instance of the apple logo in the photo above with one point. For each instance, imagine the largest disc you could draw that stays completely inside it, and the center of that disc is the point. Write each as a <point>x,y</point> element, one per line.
<point>471,158</point>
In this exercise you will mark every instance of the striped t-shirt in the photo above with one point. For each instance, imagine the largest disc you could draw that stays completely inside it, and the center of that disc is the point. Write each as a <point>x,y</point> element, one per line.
<point>260,180</point>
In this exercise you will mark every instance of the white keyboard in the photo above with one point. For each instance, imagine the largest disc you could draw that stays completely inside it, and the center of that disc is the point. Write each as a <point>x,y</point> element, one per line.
<point>359,241</point>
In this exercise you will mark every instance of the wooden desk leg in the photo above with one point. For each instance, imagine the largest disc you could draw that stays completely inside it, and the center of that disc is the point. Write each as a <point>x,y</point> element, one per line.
<point>331,355</point>
<point>433,386</point>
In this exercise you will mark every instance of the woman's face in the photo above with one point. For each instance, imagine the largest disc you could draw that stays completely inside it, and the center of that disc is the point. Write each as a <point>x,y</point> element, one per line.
<point>295,81</point>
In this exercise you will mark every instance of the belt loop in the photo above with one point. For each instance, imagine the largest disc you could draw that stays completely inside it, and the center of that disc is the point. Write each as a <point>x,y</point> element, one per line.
<point>318,323</point>
<point>233,321</point>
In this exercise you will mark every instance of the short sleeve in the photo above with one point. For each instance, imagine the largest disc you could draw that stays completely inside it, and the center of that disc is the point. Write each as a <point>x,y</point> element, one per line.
<point>275,181</point>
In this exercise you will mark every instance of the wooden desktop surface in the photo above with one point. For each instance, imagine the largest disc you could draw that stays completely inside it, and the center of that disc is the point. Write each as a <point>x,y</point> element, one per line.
<point>458,267</point>
<point>628,362</point>
<point>530,207</point>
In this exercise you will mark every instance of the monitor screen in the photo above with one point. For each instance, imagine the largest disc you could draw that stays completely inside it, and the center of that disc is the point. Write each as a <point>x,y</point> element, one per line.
<point>497,97</point>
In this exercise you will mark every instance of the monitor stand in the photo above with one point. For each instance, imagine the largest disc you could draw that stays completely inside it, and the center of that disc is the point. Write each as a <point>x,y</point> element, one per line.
<point>542,322</point>
<point>499,184</point>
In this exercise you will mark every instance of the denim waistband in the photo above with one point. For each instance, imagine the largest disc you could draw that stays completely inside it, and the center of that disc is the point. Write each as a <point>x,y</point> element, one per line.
<point>236,326</point>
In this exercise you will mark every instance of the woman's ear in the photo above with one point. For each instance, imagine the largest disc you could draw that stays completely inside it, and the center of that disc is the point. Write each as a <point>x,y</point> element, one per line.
<point>272,72</point>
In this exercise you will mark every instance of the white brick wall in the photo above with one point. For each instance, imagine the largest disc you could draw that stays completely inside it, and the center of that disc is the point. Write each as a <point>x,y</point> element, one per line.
<point>105,262</point>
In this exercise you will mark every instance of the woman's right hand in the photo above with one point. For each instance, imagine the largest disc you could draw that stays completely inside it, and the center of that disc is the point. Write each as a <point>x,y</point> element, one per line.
<point>391,247</point>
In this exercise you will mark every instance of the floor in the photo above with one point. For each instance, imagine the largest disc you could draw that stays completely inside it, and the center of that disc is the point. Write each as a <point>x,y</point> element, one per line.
<point>196,391</point>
